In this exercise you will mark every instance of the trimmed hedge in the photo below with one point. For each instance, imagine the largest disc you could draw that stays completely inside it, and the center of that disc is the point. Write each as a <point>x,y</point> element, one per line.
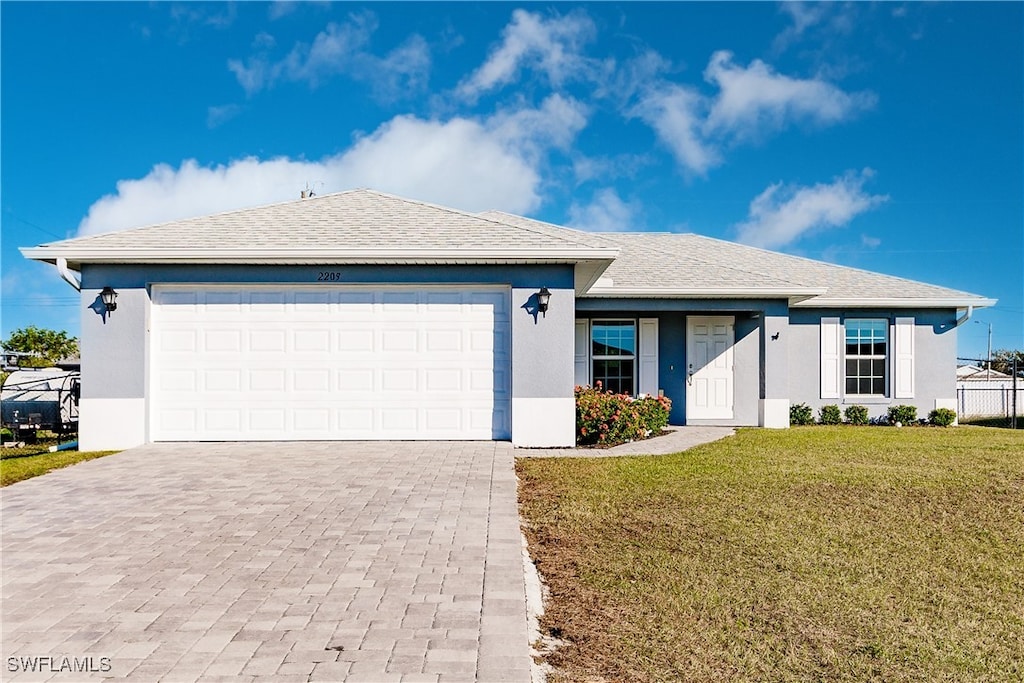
<point>905,415</point>
<point>942,417</point>
<point>801,414</point>
<point>856,415</point>
<point>830,415</point>
<point>606,418</point>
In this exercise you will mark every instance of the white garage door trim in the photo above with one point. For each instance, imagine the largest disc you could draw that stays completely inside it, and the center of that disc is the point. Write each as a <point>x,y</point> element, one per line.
<point>333,362</point>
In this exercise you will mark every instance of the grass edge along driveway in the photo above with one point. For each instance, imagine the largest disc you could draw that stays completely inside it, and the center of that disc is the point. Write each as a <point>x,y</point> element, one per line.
<point>815,553</point>
<point>17,466</point>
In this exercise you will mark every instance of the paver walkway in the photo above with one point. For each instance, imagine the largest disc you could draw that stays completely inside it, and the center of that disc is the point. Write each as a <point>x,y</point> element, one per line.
<point>268,562</point>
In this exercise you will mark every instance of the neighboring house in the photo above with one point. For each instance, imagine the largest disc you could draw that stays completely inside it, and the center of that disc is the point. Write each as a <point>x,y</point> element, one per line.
<point>984,393</point>
<point>361,315</point>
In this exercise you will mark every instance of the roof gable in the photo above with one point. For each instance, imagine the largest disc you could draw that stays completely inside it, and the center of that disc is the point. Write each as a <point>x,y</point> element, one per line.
<point>356,219</point>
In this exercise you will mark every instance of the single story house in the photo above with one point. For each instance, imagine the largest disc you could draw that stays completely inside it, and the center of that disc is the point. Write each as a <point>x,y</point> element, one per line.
<point>361,315</point>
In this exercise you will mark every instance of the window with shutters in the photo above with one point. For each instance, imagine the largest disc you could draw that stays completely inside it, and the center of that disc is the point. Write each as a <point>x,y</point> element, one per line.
<point>613,352</point>
<point>866,353</point>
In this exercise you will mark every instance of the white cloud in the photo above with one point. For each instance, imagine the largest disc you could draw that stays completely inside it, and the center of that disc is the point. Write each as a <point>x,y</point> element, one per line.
<point>821,21</point>
<point>606,212</point>
<point>606,168</point>
<point>471,164</point>
<point>405,68</point>
<point>338,49</point>
<point>281,8</point>
<point>215,116</point>
<point>782,214</point>
<point>551,45</point>
<point>676,113</point>
<point>750,103</point>
<point>554,124</point>
<point>753,99</point>
<point>804,16</point>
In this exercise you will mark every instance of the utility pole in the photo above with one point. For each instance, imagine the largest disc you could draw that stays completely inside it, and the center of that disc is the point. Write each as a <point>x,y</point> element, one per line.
<point>988,370</point>
<point>1013,420</point>
<point>989,376</point>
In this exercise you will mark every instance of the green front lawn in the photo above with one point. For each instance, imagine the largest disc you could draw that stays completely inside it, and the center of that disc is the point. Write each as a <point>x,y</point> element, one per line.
<point>31,461</point>
<point>815,553</point>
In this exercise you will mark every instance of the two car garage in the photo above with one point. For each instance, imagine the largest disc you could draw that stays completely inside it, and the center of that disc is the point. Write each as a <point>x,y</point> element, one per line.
<point>329,362</point>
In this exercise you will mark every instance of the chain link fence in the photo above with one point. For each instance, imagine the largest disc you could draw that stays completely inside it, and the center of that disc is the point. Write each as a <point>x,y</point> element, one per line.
<point>986,396</point>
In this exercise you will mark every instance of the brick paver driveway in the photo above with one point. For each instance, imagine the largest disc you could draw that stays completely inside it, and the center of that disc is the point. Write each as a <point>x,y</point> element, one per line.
<point>275,562</point>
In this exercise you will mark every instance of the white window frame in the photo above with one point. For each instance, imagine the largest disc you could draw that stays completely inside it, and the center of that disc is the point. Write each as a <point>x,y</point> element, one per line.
<point>886,359</point>
<point>634,358</point>
<point>645,356</point>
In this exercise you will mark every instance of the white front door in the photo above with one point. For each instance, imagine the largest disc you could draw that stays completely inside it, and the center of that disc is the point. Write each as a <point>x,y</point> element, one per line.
<point>302,362</point>
<point>709,373</point>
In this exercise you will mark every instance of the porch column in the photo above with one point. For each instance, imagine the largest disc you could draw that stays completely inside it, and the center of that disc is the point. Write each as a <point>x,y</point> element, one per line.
<point>773,407</point>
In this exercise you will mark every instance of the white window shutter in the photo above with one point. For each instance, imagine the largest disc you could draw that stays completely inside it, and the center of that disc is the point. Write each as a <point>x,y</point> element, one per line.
<point>831,355</point>
<point>903,358</point>
<point>648,357</point>
<point>581,363</point>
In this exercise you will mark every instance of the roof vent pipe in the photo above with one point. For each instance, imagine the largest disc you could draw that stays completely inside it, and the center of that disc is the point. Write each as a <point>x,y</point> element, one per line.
<point>72,277</point>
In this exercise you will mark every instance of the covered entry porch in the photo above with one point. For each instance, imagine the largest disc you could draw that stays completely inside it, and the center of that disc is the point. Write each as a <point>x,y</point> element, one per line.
<point>721,362</point>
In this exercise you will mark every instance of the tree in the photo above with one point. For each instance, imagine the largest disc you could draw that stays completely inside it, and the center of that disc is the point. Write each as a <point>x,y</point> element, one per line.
<point>48,346</point>
<point>1002,361</point>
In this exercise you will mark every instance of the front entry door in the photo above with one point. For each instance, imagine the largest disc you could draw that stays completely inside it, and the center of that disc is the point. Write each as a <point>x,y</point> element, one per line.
<point>709,373</point>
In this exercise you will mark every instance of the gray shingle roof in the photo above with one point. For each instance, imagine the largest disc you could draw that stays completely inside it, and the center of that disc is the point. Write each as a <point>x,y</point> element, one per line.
<point>348,225</point>
<point>357,219</point>
<point>689,261</point>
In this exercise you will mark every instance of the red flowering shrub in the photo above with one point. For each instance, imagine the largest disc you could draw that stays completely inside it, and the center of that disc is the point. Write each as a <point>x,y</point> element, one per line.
<point>606,418</point>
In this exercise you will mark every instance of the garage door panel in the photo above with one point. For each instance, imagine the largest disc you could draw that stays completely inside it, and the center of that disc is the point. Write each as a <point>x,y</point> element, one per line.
<point>220,340</point>
<point>399,420</point>
<point>311,380</point>
<point>355,341</point>
<point>222,380</point>
<point>404,339</point>
<point>332,363</point>
<point>443,340</point>
<point>266,420</point>
<point>355,381</point>
<point>272,341</point>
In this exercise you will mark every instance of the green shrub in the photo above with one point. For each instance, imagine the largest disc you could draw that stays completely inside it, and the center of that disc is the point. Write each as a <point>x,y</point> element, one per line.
<point>856,415</point>
<point>905,415</point>
<point>801,414</point>
<point>607,418</point>
<point>943,417</point>
<point>6,435</point>
<point>830,415</point>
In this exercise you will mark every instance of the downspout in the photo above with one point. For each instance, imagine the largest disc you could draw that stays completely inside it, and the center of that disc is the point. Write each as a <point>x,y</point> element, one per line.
<point>965,317</point>
<point>74,278</point>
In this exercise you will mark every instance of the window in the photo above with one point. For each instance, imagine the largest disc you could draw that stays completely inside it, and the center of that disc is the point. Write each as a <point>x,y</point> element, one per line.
<point>866,347</point>
<point>613,351</point>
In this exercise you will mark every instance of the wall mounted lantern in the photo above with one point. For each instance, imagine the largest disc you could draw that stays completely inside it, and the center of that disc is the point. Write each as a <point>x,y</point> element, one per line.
<point>109,298</point>
<point>543,299</point>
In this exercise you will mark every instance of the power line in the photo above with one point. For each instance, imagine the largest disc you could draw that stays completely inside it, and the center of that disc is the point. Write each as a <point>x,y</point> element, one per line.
<point>34,225</point>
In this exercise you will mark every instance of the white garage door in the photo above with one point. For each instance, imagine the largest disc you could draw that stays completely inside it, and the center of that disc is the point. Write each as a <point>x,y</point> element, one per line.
<point>309,363</point>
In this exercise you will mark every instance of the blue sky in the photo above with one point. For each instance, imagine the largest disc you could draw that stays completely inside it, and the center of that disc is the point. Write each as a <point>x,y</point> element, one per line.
<point>881,136</point>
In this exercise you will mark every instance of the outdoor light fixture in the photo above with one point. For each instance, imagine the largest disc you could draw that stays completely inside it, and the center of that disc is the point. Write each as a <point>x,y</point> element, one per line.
<point>543,299</point>
<point>109,298</point>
